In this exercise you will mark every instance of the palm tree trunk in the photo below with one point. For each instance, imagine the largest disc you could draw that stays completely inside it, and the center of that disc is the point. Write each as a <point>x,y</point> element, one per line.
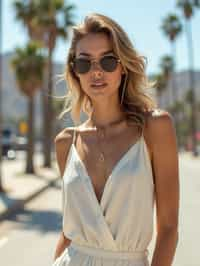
<point>192,86</point>
<point>1,127</point>
<point>30,150</point>
<point>44,98</point>
<point>174,89</point>
<point>48,125</point>
<point>174,85</point>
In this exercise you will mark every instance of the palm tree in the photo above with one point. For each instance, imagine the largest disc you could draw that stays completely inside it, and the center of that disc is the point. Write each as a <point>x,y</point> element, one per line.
<point>167,66</point>
<point>46,21</point>
<point>54,18</point>
<point>28,64</point>
<point>172,28</point>
<point>160,85</point>
<point>26,11</point>
<point>188,7</point>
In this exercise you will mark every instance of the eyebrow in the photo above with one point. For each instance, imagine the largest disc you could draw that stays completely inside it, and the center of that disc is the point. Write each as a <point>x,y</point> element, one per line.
<point>104,53</point>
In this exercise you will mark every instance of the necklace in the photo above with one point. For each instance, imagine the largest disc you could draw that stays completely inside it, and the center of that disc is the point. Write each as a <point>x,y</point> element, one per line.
<point>101,154</point>
<point>101,133</point>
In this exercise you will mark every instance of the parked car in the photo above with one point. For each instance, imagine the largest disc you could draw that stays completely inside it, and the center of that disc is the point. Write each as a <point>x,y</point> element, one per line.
<point>21,143</point>
<point>8,143</point>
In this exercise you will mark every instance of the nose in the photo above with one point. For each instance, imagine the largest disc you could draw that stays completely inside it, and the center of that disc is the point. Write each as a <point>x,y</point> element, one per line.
<point>96,70</point>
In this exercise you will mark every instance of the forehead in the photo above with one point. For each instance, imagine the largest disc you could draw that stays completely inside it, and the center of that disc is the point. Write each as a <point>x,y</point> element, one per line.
<point>94,44</point>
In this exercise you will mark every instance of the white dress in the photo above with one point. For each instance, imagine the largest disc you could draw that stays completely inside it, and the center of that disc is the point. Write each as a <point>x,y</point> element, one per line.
<point>118,230</point>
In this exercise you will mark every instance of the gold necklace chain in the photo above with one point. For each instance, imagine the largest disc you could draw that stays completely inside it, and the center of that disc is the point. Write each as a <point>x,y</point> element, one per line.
<point>101,155</point>
<point>102,131</point>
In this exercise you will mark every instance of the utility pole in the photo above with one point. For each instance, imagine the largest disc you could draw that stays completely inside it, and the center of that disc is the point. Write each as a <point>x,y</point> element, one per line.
<point>1,109</point>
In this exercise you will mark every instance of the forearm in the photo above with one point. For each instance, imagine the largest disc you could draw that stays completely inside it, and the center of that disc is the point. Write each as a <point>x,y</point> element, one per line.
<point>166,243</point>
<point>63,242</point>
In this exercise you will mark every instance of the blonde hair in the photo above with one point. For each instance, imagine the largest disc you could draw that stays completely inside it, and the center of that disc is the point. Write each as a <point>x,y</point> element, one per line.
<point>135,101</point>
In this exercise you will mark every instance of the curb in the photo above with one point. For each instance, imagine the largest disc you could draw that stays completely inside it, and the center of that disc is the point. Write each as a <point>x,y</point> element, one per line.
<point>19,204</point>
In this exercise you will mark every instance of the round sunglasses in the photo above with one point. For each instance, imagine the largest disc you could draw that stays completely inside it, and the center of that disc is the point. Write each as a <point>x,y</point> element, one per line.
<point>83,65</point>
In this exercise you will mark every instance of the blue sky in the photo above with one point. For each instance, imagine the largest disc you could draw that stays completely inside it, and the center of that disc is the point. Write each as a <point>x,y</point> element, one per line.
<point>141,19</point>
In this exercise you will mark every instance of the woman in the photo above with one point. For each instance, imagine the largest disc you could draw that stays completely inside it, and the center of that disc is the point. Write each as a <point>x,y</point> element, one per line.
<point>119,160</point>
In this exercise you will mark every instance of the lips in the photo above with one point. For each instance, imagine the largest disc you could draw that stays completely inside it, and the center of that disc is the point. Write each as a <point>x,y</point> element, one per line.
<point>98,84</point>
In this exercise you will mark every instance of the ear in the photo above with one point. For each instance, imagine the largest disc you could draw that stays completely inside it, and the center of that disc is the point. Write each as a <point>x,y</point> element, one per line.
<point>123,71</point>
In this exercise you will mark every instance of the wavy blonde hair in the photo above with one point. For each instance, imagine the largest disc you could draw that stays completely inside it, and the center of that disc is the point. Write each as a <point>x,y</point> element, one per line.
<point>134,83</point>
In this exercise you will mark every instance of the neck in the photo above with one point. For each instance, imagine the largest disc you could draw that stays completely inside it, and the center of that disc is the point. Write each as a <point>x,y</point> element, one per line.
<point>105,119</point>
<point>106,112</point>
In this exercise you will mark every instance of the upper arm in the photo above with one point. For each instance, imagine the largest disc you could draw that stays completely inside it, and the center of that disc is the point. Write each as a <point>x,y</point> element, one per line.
<point>62,143</point>
<point>165,169</point>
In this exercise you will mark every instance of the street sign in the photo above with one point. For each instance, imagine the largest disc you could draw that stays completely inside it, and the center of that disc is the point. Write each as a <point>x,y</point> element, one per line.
<point>23,127</point>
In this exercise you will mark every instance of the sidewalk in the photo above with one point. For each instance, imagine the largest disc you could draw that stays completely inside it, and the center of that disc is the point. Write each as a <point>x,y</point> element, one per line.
<point>20,187</point>
<point>188,156</point>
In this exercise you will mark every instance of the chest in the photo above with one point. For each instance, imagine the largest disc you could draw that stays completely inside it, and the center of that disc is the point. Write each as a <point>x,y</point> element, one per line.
<point>114,154</point>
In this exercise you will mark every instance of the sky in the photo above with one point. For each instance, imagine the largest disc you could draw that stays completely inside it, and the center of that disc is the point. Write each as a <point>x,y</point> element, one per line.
<point>140,19</point>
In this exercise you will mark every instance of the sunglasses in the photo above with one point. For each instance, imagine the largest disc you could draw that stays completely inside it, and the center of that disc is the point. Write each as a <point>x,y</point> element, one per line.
<point>83,65</point>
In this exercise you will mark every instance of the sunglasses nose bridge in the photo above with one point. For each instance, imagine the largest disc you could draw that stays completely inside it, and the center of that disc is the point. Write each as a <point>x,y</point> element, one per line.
<point>95,65</point>
<point>96,70</point>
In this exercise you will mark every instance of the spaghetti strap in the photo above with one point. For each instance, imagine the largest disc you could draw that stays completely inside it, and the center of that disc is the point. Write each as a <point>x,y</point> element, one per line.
<point>74,135</point>
<point>143,128</point>
<point>142,134</point>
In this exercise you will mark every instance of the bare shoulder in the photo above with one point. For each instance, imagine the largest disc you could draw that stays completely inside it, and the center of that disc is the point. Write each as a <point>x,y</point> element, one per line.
<point>159,123</point>
<point>161,135</point>
<point>63,141</point>
<point>158,116</point>
<point>64,136</point>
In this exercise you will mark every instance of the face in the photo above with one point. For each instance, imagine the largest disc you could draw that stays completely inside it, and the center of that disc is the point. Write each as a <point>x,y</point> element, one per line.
<point>97,82</point>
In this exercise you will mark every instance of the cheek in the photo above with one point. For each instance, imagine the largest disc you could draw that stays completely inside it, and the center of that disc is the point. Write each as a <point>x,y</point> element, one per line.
<point>115,79</point>
<point>84,82</point>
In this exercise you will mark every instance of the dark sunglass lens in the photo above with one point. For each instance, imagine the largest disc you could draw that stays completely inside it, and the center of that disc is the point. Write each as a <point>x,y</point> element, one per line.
<point>109,63</point>
<point>81,65</point>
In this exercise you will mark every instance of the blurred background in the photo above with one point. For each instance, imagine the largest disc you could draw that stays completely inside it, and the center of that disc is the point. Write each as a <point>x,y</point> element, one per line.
<point>34,42</point>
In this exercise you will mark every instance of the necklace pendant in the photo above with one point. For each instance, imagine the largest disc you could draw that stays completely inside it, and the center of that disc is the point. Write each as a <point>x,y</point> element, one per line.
<point>101,158</point>
<point>102,134</point>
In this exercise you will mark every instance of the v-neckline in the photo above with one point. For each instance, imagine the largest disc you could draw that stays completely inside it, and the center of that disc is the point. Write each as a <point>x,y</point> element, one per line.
<point>114,169</point>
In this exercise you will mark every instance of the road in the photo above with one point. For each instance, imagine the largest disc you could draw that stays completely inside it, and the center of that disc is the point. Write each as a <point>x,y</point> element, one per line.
<point>29,237</point>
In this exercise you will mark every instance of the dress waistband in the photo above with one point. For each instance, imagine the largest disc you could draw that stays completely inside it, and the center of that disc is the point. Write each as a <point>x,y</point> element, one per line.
<point>98,252</point>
